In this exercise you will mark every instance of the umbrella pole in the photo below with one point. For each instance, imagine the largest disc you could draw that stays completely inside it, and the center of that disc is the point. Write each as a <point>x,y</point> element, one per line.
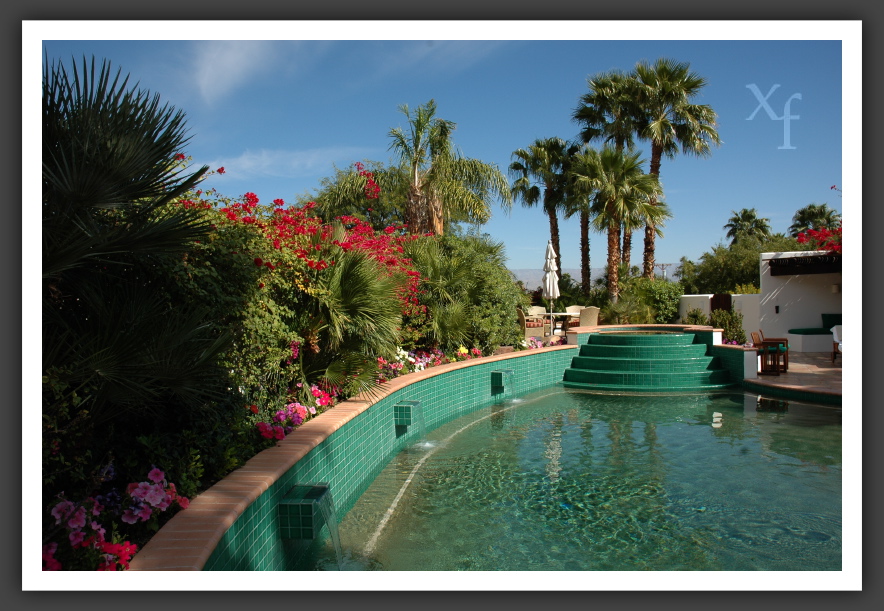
<point>552,322</point>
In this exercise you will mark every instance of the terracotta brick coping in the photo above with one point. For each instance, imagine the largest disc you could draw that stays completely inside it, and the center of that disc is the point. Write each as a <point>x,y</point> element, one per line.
<point>187,541</point>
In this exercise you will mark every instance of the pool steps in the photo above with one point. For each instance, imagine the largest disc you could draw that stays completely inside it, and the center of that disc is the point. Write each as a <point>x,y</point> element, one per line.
<point>628,362</point>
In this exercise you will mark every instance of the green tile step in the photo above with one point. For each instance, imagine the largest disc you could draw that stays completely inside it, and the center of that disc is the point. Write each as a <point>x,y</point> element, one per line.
<point>610,350</point>
<point>663,339</point>
<point>645,362</point>
<point>649,389</point>
<point>655,378</point>
<point>692,363</point>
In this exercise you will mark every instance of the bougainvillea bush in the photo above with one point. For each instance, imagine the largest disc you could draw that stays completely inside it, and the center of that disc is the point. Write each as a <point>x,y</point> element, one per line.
<point>822,239</point>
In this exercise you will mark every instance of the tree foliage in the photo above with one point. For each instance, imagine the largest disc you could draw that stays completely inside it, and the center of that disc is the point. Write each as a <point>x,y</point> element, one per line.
<point>747,224</point>
<point>814,216</point>
<point>725,268</point>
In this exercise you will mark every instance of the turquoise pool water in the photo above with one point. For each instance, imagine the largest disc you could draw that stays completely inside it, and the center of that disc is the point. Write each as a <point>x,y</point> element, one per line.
<point>563,480</point>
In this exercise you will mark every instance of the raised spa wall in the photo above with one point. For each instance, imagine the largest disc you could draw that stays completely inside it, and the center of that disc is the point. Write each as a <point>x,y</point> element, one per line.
<point>235,524</point>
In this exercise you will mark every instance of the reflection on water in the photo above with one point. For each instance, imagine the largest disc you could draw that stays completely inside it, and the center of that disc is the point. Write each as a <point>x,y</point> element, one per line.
<point>564,480</point>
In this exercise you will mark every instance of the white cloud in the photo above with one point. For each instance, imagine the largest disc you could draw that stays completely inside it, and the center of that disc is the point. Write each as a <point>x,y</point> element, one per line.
<point>276,163</point>
<point>448,56</point>
<point>223,66</point>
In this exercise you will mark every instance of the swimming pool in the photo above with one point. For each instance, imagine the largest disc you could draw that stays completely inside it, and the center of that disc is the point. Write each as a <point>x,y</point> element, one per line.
<point>563,480</point>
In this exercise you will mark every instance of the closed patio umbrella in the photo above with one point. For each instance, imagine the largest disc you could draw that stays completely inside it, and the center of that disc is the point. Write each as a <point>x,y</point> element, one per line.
<point>550,282</point>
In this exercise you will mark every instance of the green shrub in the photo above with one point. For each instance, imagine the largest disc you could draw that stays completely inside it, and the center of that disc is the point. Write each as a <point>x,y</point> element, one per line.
<point>695,316</point>
<point>469,296</point>
<point>745,289</point>
<point>731,324</point>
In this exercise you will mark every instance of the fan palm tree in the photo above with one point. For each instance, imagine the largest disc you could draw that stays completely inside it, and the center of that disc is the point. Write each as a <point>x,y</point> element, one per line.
<point>745,224</point>
<point>608,112</point>
<point>109,178</point>
<point>441,181</point>
<point>540,177</point>
<point>619,189</point>
<point>670,122</point>
<point>813,216</point>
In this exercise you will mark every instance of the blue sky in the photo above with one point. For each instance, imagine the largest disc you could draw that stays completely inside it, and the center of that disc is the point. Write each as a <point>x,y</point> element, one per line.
<point>278,114</point>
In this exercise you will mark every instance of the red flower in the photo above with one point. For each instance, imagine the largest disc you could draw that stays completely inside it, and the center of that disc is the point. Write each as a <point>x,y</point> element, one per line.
<point>179,157</point>
<point>254,408</point>
<point>220,170</point>
<point>258,261</point>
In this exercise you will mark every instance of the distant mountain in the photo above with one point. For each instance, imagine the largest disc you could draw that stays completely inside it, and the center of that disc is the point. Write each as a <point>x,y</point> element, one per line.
<point>533,278</point>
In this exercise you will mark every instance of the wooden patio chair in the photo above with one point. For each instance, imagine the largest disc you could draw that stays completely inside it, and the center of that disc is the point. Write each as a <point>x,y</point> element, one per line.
<point>770,352</point>
<point>782,340</point>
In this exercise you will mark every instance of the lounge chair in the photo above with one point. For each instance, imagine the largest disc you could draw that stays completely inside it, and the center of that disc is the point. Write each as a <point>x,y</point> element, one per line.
<point>531,326</point>
<point>836,341</point>
<point>574,311</point>
<point>784,341</point>
<point>589,317</point>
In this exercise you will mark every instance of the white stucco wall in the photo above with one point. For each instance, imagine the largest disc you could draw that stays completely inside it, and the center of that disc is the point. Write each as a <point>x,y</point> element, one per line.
<point>690,302</point>
<point>748,305</point>
<point>801,298</point>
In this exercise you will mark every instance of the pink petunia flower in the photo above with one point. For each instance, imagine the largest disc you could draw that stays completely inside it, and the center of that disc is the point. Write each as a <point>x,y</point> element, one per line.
<point>156,476</point>
<point>62,511</point>
<point>79,518</point>
<point>76,537</point>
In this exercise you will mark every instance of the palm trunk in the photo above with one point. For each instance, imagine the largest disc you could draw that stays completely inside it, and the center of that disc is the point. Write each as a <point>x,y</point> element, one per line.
<point>626,251</point>
<point>436,221</point>
<point>585,269</point>
<point>650,229</point>
<point>416,211</point>
<point>613,260</point>
<point>554,236</point>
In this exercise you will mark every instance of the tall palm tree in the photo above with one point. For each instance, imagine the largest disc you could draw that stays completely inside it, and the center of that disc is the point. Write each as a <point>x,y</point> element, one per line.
<point>608,112</point>
<point>746,224</point>
<point>670,122</point>
<point>620,189</point>
<point>813,216</point>
<point>441,181</point>
<point>540,177</point>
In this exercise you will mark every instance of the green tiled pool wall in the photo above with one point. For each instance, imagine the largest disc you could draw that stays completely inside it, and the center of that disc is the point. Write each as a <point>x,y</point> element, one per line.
<point>731,359</point>
<point>791,393</point>
<point>350,458</point>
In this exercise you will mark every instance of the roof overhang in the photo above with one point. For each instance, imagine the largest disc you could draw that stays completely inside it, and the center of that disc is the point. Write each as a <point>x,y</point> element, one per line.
<point>795,265</point>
